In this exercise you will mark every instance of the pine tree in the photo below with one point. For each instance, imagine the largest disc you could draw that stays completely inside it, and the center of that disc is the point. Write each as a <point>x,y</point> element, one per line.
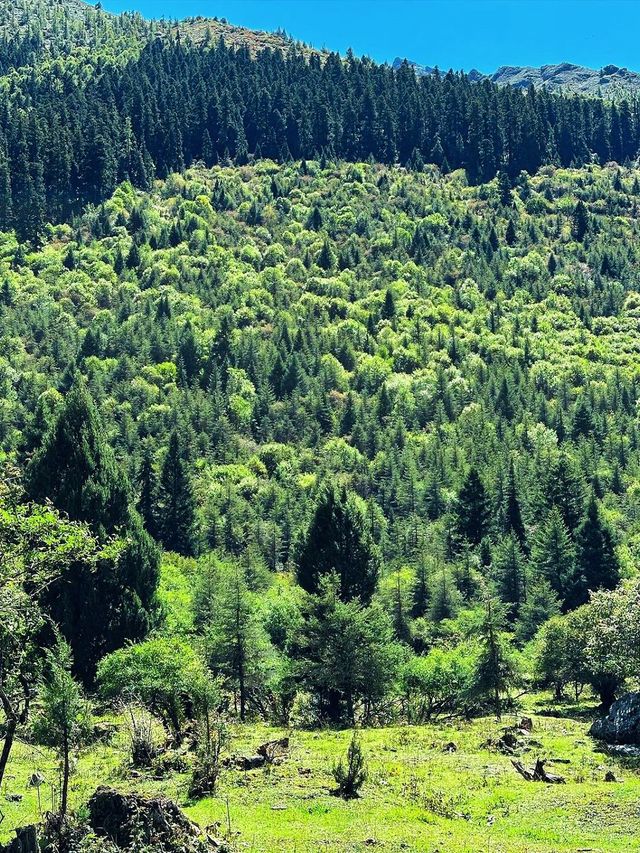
<point>541,605</point>
<point>338,540</point>
<point>235,641</point>
<point>564,490</point>
<point>326,257</point>
<point>504,189</point>
<point>176,504</point>
<point>64,716</point>
<point>472,509</point>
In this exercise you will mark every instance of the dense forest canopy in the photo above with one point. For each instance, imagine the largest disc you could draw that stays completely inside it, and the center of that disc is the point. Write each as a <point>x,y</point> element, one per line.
<point>319,391</point>
<point>459,361</point>
<point>137,102</point>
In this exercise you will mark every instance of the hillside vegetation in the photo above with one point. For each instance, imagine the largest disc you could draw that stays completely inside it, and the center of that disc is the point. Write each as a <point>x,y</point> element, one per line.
<point>319,453</point>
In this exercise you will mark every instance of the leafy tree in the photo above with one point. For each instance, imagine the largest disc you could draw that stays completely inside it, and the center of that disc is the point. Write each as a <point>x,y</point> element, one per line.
<point>37,545</point>
<point>162,673</point>
<point>64,718</point>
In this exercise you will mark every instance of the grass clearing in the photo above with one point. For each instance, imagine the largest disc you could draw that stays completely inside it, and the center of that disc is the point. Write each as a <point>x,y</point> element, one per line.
<point>419,796</point>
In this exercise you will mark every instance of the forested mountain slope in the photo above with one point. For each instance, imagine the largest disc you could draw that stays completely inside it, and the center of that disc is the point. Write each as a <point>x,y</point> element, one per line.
<point>319,392</point>
<point>141,102</point>
<point>376,327</point>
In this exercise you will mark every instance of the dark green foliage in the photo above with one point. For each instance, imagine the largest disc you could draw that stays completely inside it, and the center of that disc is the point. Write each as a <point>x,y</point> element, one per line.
<point>597,565</point>
<point>338,540</point>
<point>176,501</point>
<point>75,468</point>
<point>472,509</point>
<point>96,608</point>
<point>163,104</point>
<point>351,778</point>
<point>553,555</point>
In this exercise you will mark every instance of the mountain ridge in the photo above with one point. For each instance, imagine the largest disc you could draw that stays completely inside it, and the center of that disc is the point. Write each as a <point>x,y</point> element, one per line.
<point>609,81</point>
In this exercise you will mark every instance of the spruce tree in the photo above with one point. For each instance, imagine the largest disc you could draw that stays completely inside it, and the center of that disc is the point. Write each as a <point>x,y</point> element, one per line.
<point>553,554</point>
<point>472,509</point>
<point>75,468</point>
<point>176,504</point>
<point>96,607</point>
<point>597,565</point>
<point>338,540</point>
<point>579,221</point>
<point>512,514</point>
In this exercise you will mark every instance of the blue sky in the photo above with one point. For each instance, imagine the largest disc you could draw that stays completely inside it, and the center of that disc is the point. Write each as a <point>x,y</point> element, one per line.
<point>466,34</point>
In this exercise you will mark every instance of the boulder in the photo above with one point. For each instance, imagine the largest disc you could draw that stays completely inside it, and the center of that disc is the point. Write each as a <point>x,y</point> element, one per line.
<point>130,818</point>
<point>622,723</point>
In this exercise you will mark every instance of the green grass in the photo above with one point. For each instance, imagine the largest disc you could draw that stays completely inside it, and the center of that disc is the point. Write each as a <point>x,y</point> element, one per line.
<point>418,797</point>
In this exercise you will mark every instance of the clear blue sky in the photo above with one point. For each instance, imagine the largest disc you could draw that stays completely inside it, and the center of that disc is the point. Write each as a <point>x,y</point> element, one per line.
<point>466,34</point>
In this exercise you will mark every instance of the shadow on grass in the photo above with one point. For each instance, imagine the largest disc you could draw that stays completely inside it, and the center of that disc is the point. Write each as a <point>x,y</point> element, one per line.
<point>580,711</point>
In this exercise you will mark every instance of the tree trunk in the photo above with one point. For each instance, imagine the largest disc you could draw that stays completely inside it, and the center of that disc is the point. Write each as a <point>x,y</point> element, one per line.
<point>12,724</point>
<point>65,776</point>
<point>9,735</point>
<point>241,686</point>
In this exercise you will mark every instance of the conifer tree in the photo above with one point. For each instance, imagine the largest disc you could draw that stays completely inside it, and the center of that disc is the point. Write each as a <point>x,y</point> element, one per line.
<point>75,468</point>
<point>512,514</point>
<point>597,565</point>
<point>338,540</point>
<point>176,504</point>
<point>553,554</point>
<point>510,573</point>
<point>472,509</point>
<point>96,608</point>
<point>148,491</point>
<point>579,221</point>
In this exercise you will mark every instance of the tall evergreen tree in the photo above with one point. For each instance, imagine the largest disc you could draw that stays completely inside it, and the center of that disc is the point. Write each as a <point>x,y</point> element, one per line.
<point>96,608</point>
<point>553,554</point>
<point>472,509</point>
<point>338,540</point>
<point>597,564</point>
<point>176,504</point>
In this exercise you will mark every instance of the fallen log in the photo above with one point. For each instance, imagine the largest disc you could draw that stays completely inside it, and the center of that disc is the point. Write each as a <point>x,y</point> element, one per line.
<point>538,773</point>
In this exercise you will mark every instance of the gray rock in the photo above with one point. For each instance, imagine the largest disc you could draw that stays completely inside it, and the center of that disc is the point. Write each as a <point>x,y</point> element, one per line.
<point>622,724</point>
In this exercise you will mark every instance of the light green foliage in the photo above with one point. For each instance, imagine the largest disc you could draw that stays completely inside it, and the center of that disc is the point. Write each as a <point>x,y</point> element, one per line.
<point>160,672</point>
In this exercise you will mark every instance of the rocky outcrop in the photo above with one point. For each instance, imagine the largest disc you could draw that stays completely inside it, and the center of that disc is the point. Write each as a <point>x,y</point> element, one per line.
<point>610,81</point>
<point>622,723</point>
<point>130,819</point>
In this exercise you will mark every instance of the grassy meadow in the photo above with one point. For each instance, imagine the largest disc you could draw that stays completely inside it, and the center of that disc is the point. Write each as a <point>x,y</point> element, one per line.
<point>421,795</point>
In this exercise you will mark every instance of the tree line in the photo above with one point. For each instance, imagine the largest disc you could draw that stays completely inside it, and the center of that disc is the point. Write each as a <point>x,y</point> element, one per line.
<point>68,138</point>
